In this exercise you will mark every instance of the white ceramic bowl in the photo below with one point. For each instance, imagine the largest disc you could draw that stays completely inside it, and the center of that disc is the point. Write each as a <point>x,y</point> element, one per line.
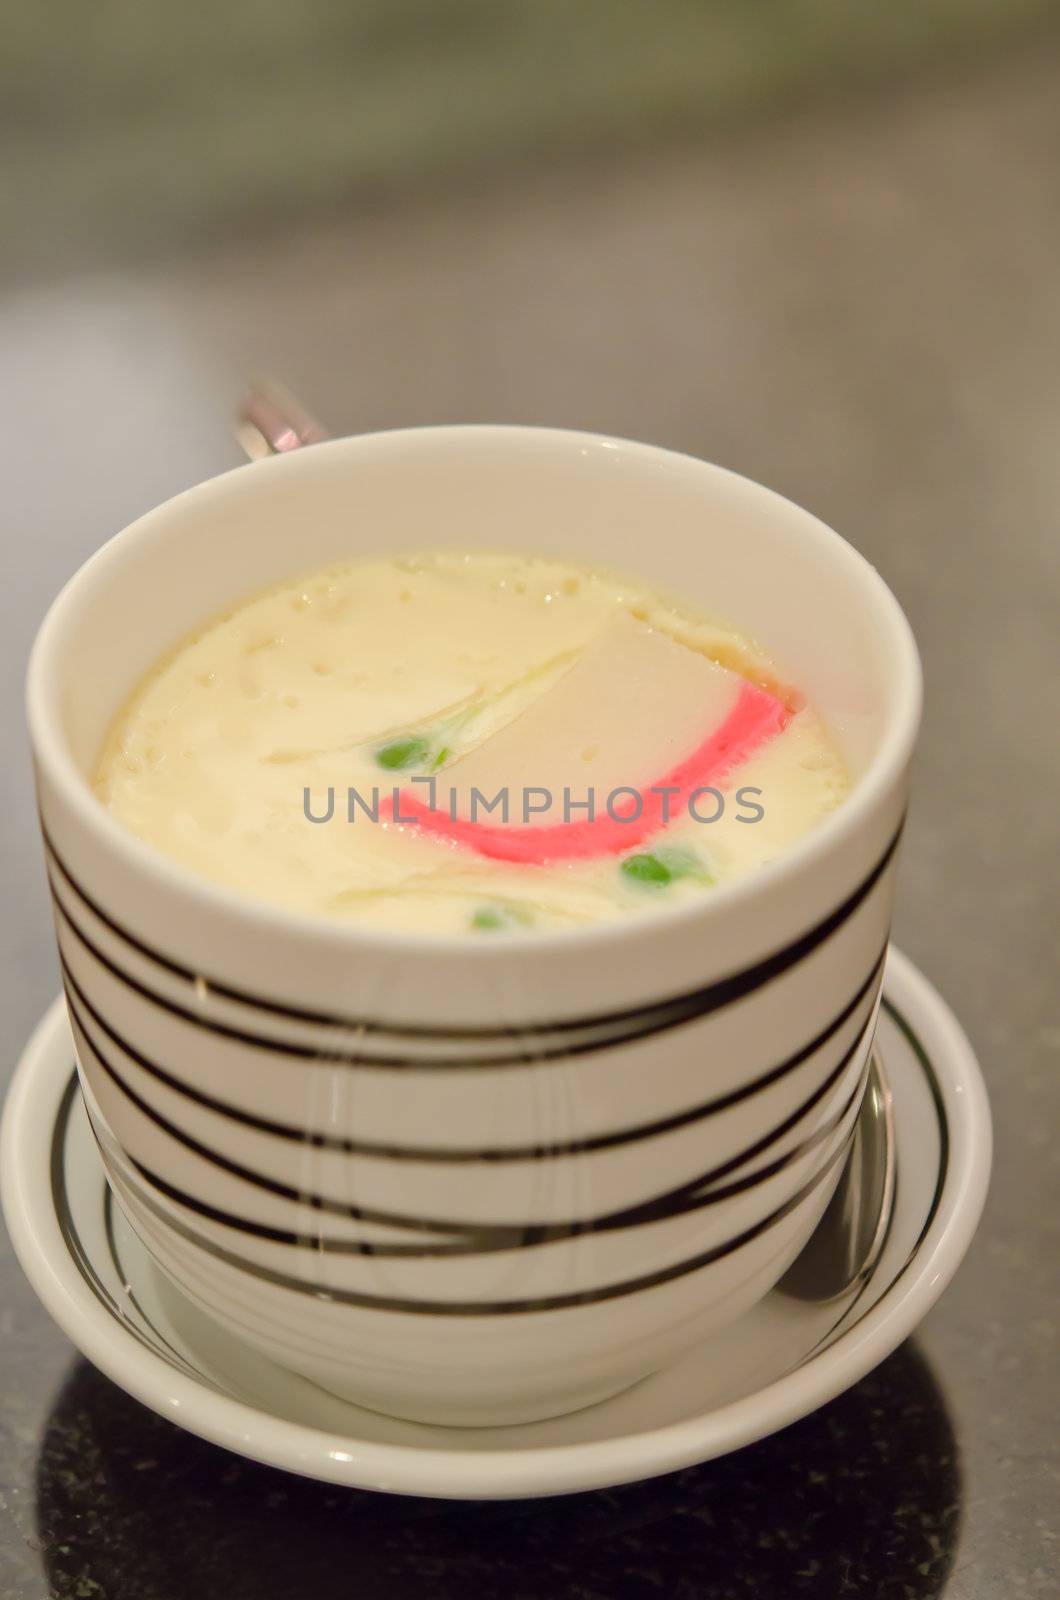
<point>460,1180</point>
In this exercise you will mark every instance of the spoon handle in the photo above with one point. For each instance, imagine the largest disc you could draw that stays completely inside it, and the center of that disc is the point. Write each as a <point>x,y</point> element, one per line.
<point>271,421</point>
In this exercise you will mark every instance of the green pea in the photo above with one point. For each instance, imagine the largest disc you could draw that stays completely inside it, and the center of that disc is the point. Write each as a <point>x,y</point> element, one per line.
<point>647,869</point>
<point>404,753</point>
<point>491,919</point>
<point>655,869</point>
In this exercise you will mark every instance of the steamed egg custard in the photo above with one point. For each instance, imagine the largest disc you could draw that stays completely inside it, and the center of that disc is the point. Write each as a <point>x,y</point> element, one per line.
<point>468,743</point>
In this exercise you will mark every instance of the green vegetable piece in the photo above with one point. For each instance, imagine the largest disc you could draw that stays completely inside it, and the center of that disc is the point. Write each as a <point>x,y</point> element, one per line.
<point>441,758</point>
<point>655,869</point>
<point>497,918</point>
<point>646,869</point>
<point>402,754</point>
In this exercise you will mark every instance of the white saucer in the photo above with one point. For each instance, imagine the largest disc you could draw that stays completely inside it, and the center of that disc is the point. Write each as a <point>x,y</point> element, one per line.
<point>779,1362</point>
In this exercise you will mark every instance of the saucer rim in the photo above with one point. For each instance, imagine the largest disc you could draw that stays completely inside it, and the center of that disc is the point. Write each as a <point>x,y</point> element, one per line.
<point>539,1470</point>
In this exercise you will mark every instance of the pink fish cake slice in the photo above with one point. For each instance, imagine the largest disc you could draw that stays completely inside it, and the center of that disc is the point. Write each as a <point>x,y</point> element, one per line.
<point>635,713</point>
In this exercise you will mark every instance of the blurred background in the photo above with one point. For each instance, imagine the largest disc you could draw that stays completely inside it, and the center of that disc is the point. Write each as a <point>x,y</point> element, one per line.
<point>814,240</point>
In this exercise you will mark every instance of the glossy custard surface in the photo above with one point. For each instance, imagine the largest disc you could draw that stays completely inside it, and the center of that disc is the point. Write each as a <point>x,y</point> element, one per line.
<point>394,692</point>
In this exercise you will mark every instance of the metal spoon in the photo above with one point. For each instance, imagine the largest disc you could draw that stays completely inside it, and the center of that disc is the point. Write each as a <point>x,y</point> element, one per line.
<point>849,1239</point>
<point>271,421</point>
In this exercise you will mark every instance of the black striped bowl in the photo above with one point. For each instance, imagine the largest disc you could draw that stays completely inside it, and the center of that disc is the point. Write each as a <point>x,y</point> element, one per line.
<point>462,1181</point>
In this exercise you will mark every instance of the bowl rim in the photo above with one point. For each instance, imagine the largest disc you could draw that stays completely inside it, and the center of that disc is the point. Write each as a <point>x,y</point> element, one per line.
<point>168,878</point>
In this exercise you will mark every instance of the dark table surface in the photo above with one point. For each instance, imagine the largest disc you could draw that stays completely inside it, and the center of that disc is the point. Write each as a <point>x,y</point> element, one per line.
<point>860,308</point>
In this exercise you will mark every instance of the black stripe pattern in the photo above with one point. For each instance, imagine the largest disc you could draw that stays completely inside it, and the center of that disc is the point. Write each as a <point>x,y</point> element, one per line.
<point>83,1260</point>
<point>128,1069</point>
<point>492,1308</point>
<point>83,1263</point>
<point>456,1155</point>
<point>603,1030</point>
<point>483,1239</point>
<point>464,1238</point>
